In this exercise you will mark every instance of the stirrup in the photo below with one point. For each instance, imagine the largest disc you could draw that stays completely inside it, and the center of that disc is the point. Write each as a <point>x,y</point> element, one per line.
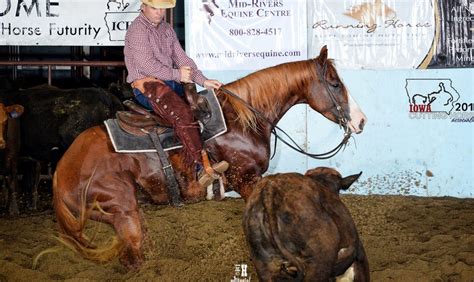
<point>215,169</point>
<point>211,173</point>
<point>205,178</point>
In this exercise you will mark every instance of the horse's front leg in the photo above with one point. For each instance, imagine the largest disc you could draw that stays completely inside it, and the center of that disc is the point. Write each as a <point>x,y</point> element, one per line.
<point>246,190</point>
<point>244,184</point>
<point>128,226</point>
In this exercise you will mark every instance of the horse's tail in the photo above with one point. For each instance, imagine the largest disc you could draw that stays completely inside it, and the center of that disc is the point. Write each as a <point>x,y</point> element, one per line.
<point>71,228</point>
<point>291,265</point>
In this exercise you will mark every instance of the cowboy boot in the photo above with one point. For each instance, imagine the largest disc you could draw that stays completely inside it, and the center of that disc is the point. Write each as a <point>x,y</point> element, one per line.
<point>210,173</point>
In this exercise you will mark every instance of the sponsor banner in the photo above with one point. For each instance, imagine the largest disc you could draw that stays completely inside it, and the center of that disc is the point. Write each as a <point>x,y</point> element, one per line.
<point>374,33</point>
<point>454,47</point>
<point>387,34</point>
<point>245,34</point>
<point>66,22</point>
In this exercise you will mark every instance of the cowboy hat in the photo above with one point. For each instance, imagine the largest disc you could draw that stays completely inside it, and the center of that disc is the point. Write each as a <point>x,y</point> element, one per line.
<point>160,4</point>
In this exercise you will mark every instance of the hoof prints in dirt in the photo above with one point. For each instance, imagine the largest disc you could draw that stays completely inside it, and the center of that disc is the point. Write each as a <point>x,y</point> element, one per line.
<point>406,239</point>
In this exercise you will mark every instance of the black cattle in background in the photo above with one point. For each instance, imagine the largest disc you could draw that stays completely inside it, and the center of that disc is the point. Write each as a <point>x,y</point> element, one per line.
<point>53,117</point>
<point>51,120</point>
<point>120,90</point>
<point>63,83</point>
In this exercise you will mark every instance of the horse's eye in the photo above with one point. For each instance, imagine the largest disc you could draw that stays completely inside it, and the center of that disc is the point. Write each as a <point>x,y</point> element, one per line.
<point>334,84</point>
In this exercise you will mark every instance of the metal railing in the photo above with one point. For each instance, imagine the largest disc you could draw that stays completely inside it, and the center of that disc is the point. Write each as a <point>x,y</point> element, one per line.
<point>54,63</point>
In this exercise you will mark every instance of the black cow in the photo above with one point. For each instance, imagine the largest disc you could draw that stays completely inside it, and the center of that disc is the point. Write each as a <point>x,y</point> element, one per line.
<point>52,119</point>
<point>298,229</point>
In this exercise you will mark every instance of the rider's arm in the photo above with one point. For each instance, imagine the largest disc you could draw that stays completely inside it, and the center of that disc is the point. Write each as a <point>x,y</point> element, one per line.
<point>182,59</point>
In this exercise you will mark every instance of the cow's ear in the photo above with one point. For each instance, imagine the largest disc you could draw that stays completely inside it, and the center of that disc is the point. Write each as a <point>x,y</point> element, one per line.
<point>347,181</point>
<point>15,110</point>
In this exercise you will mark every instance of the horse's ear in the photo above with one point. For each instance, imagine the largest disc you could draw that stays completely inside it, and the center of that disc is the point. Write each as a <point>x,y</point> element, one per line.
<point>323,55</point>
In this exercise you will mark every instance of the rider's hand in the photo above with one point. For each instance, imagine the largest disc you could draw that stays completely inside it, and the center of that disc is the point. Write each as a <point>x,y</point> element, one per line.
<point>185,73</point>
<point>212,84</point>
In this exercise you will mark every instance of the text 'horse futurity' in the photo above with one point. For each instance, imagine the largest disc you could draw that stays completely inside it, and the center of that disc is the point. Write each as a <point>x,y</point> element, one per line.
<point>92,181</point>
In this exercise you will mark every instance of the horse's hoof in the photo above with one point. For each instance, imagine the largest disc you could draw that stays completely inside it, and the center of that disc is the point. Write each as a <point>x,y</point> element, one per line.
<point>131,264</point>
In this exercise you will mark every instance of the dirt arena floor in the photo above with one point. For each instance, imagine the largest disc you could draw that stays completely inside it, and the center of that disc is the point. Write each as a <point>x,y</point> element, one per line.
<point>406,239</point>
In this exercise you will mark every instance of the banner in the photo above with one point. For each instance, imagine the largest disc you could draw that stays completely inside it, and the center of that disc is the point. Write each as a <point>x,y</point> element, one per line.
<point>454,46</point>
<point>245,34</point>
<point>393,34</point>
<point>253,34</point>
<point>66,22</point>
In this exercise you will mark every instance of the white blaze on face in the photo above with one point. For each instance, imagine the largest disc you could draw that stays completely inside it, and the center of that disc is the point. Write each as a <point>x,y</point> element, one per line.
<point>358,118</point>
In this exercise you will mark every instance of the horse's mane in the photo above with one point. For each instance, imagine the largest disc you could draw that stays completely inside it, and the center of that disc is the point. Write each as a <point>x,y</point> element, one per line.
<point>268,90</point>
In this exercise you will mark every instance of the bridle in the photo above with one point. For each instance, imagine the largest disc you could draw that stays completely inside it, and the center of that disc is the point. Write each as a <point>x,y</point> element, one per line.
<point>343,122</point>
<point>341,117</point>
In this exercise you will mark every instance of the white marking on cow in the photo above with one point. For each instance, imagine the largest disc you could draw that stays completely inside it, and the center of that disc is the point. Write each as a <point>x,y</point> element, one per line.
<point>348,276</point>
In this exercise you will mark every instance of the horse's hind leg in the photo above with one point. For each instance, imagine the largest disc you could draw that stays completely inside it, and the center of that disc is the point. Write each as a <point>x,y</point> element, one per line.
<point>128,226</point>
<point>122,212</point>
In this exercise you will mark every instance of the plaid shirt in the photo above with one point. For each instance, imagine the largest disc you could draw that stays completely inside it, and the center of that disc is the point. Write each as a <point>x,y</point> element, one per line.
<point>155,51</point>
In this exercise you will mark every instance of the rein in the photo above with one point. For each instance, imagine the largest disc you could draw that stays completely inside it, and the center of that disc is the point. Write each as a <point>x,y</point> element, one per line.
<point>294,145</point>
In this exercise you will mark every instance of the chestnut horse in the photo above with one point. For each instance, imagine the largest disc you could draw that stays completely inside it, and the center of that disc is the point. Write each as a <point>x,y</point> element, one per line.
<point>93,181</point>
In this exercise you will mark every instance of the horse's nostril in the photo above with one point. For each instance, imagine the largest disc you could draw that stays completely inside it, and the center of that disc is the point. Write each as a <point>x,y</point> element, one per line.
<point>361,124</point>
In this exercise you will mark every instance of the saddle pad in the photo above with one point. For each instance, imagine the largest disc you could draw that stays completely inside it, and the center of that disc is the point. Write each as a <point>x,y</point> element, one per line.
<point>211,127</point>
